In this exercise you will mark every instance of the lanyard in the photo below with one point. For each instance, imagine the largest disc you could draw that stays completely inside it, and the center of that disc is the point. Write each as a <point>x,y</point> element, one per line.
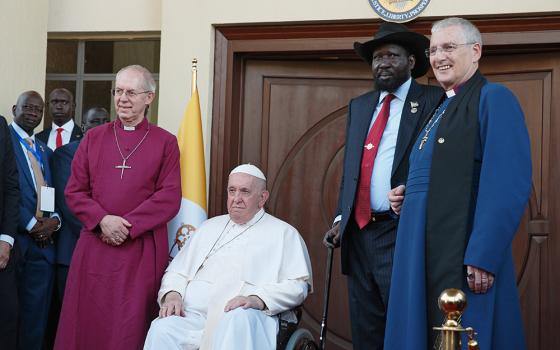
<point>35,153</point>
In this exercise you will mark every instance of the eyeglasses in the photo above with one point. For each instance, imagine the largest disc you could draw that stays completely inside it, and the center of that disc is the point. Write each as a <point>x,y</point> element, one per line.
<point>128,93</point>
<point>447,48</point>
<point>31,108</point>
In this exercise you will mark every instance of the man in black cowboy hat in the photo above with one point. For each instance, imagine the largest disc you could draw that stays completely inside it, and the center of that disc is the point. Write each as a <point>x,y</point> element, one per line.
<point>381,126</point>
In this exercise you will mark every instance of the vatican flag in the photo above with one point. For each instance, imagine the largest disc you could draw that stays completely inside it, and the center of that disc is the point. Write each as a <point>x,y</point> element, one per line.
<point>193,175</point>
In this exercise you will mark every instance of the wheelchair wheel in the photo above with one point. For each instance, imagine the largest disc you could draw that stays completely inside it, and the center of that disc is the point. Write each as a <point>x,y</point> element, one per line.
<point>301,339</point>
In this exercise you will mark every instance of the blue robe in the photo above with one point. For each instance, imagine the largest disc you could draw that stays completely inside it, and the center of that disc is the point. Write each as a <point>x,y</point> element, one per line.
<point>504,184</point>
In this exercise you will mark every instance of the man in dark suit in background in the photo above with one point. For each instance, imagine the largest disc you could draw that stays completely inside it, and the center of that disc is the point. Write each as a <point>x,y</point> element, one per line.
<point>71,227</point>
<point>95,116</point>
<point>37,221</point>
<point>9,251</point>
<point>365,228</point>
<point>64,130</point>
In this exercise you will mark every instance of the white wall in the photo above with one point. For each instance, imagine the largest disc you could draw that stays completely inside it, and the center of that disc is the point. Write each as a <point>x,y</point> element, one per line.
<point>23,41</point>
<point>104,15</point>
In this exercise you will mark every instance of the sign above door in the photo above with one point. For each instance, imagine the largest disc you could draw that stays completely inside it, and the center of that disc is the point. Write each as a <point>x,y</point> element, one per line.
<point>398,10</point>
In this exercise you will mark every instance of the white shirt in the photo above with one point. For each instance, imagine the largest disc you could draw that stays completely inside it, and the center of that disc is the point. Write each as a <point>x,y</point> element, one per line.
<point>66,133</point>
<point>8,239</point>
<point>381,175</point>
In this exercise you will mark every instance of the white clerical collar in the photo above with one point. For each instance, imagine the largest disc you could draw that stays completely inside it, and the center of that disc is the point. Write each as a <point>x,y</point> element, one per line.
<point>143,123</point>
<point>254,219</point>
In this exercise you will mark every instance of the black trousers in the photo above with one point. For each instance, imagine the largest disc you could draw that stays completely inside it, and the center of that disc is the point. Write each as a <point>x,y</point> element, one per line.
<point>370,262</point>
<point>9,302</point>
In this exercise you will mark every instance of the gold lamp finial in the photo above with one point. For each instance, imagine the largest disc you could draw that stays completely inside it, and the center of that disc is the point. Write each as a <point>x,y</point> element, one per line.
<point>452,302</point>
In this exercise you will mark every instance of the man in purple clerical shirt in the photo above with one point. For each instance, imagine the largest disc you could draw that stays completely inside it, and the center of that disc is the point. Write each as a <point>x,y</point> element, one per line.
<point>124,188</point>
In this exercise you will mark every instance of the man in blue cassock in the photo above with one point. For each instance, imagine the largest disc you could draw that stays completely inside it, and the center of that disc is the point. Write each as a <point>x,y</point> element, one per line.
<point>468,185</point>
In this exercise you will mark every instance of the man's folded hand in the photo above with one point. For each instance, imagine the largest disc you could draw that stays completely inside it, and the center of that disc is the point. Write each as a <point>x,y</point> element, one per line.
<point>332,237</point>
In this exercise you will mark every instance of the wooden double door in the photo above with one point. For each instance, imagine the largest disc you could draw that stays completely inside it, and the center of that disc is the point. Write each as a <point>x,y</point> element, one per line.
<point>290,119</point>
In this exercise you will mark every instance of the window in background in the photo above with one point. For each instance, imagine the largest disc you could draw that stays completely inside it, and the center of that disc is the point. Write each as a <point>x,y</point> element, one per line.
<point>88,67</point>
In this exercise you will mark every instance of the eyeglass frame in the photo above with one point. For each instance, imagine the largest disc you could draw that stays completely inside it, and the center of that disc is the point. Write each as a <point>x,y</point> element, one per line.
<point>452,47</point>
<point>32,108</point>
<point>129,93</point>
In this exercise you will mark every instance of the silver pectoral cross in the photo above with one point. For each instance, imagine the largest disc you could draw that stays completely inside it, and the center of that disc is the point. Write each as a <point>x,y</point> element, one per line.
<point>423,141</point>
<point>122,167</point>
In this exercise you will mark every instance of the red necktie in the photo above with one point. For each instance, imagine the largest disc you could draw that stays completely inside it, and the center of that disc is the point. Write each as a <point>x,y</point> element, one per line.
<point>59,137</point>
<point>362,208</point>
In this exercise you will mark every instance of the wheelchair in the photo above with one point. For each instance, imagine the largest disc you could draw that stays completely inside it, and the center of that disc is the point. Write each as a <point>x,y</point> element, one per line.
<point>290,337</point>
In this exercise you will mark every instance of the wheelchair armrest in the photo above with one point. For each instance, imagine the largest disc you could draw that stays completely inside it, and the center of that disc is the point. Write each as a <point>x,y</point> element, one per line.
<point>287,327</point>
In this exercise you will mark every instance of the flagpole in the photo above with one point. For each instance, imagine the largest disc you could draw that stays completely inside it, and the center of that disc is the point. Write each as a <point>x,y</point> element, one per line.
<point>193,210</point>
<point>194,68</point>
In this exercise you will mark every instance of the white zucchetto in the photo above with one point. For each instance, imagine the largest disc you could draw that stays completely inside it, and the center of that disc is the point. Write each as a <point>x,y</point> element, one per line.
<point>249,169</point>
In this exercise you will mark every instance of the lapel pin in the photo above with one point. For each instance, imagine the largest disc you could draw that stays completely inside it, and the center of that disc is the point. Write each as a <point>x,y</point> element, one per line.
<point>413,106</point>
<point>441,140</point>
<point>42,149</point>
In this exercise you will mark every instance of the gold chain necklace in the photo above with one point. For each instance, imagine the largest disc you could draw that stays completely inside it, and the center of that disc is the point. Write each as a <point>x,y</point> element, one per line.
<point>214,251</point>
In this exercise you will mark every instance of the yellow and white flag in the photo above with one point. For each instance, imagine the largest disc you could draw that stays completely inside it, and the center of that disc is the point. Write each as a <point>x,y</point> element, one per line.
<point>193,175</point>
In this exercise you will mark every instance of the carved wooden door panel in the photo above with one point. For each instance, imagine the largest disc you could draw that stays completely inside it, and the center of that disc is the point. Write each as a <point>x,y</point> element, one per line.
<point>294,121</point>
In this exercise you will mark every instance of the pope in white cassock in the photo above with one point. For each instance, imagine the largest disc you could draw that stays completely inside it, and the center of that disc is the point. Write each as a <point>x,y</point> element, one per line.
<point>226,287</point>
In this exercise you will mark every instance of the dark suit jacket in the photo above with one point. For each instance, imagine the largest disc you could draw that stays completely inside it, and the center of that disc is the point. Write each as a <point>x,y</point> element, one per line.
<point>9,186</point>
<point>70,231</point>
<point>76,135</point>
<point>9,214</point>
<point>360,112</point>
<point>28,200</point>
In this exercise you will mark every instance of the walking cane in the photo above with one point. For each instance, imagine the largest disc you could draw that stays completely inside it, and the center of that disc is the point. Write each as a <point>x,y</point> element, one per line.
<point>323,334</point>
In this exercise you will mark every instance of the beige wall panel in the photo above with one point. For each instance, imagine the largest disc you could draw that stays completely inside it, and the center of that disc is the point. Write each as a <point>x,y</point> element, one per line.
<point>104,15</point>
<point>23,41</point>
